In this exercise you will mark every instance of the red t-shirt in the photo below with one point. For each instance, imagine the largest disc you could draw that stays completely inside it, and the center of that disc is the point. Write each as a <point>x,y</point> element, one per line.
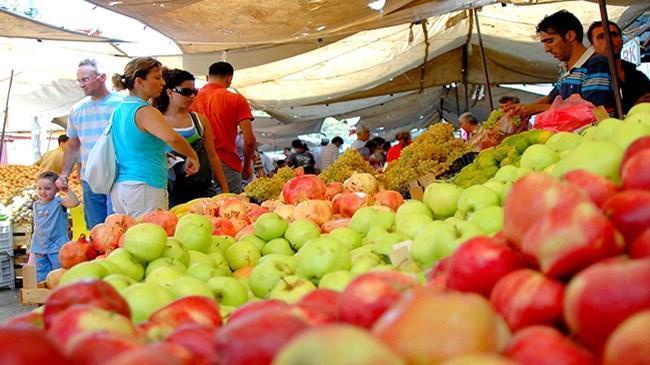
<point>394,152</point>
<point>224,110</point>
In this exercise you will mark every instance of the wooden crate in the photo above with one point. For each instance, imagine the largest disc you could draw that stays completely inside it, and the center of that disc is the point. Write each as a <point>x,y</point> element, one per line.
<point>22,235</point>
<point>32,293</point>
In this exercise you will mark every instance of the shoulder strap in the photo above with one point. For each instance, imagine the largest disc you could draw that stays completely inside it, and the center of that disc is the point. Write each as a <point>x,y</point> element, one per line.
<point>197,123</point>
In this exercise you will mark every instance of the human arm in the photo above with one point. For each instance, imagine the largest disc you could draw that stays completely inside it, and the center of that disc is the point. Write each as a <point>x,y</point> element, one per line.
<point>526,110</point>
<point>152,121</point>
<point>70,157</point>
<point>246,126</point>
<point>70,200</point>
<point>215,161</point>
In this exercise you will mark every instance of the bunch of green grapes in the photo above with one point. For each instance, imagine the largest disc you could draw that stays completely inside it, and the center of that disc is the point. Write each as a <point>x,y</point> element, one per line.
<point>493,118</point>
<point>432,152</point>
<point>265,188</point>
<point>345,165</point>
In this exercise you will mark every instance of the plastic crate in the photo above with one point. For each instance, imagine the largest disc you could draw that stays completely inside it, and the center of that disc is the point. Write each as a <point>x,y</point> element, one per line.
<point>6,238</point>
<point>7,276</point>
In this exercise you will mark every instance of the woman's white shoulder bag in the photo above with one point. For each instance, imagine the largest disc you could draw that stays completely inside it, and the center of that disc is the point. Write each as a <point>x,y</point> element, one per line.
<point>101,167</point>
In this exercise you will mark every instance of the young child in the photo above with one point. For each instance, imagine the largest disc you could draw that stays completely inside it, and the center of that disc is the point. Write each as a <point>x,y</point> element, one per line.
<point>50,223</point>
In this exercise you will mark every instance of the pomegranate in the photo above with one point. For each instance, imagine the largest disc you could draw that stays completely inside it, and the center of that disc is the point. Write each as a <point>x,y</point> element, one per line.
<point>222,226</point>
<point>121,220</point>
<point>166,219</point>
<point>319,211</point>
<point>74,252</point>
<point>389,198</point>
<point>106,237</point>
<point>332,189</point>
<point>302,188</point>
<point>232,208</point>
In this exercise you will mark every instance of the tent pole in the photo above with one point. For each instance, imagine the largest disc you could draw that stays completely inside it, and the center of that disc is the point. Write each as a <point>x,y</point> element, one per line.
<point>6,116</point>
<point>485,68</point>
<point>610,57</point>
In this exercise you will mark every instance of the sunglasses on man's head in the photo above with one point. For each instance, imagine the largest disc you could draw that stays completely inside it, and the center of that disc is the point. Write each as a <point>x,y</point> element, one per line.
<point>185,91</point>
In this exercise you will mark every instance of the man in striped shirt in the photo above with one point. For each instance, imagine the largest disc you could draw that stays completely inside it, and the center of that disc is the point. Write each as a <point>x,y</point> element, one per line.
<point>86,122</point>
<point>583,71</point>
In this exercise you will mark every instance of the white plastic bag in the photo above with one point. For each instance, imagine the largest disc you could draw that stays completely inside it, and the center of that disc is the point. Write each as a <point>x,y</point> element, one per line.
<point>101,166</point>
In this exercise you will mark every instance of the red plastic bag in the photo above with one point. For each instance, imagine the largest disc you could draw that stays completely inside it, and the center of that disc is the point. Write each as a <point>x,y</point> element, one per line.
<point>567,115</point>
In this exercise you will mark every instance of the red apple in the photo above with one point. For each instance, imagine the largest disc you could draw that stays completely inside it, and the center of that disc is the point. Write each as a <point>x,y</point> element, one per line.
<point>105,237</point>
<point>629,344</point>
<point>332,189</point>
<point>389,198</point>
<point>222,227</point>
<point>600,297</point>
<point>636,171</point>
<point>630,212</point>
<point>320,306</point>
<point>29,319</point>
<point>121,220</point>
<point>369,295</point>
<point>185,311</point>
<point>598,188</point>
<point>333,224</point>
<point>532,197</point>
<point>96,293</point>
<point>427,328</point>
<point>570,238</point>
<point>640,248</point>
<point>348,203</point>
<point>28,346</point>
<point>96,348</point>
<point>252,308</point>
<point>164,218</point>
<point>526,297</point>
<point>303,187</point>
<point>542,345</point>
<point>256,338</point>
<point>641,144</point>
<point>81,319</point>
<point>196,339</point>
<point>158,354</point>
<point>479,263</point>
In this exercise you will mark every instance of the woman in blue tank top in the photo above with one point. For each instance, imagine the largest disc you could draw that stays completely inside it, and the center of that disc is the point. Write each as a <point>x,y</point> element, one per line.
<point>140,136</point>
<point>174,102</point>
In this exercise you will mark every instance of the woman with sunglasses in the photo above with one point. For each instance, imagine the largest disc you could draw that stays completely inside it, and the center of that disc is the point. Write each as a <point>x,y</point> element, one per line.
<point>140,135</point>
<point>174,102</point>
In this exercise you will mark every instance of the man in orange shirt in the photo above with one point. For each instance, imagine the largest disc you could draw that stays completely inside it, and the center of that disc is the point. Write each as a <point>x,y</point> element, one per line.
<point>227,112</point>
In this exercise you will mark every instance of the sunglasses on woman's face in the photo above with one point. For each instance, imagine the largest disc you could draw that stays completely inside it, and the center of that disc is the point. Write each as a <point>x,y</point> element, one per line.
<point>185,91</point>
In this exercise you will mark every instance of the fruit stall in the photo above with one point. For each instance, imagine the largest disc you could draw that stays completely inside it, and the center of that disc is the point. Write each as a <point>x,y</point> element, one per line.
<point>536,251</point>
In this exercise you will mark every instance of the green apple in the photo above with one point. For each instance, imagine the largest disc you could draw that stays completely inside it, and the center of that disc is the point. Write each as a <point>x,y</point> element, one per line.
<point>385,219</point>
<point>384,245</point>
<point>600,158</point>
<point>476,197</point>
<point>221,264</point>
<point>563,141</point>
<point>292,261</point>
<point>146,298</point>
<point>110,267</point>
<point>466,230</point>
<point>538,157</point>
<point>628,132</point>
<point>164,276</point>
<point>175,250</point>
<point>442,199</point>
<point>640,108</point>
<point>269,226</point>
<point>145,241</point>
<point>119,281</point>
<point>83,271</point>
<point>186,286</point>
<point>337,280</point>
<point>228,291</point>
<point>505,173</point>
<point>488,219</point>
<point>409,224</point>
<point>373,235</point>
<point>259,243</point>
<point>520,172</point>
<point>265,276</point>
<point>203,272</point>
<point>196,257</point>
<point>301,231</point>
<point>221,243</point>
<point>194,232</point>
<point>362,263</point>
<point>164,261</point>
<point>322,255</point>
<point>605,128</point>
<point>435,242</point>
<point>225,311</point>
<point>128,265</point>
<point>278,246</point>
<point>363,219</point>
<point>498,187</point>
<point>347,236</point>
<point>241,254</point>
<point>414,206</point>
<point>291,289</point>
<point>361,251</point>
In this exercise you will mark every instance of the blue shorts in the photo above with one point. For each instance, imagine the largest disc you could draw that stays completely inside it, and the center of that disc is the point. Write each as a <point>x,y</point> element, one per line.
<point>96,206</point>
<point>46,263</point>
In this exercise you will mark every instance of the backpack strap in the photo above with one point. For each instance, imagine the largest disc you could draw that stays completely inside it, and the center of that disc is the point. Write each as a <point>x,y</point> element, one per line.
<point>197,123</point>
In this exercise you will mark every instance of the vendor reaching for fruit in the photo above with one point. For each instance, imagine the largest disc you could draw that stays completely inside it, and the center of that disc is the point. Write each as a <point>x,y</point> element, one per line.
<point>583,71</point>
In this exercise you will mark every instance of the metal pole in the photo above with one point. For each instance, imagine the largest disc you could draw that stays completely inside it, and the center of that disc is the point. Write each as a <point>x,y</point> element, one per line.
<point>610,57</point>
<point>485,68</point>
<point>6,117</point>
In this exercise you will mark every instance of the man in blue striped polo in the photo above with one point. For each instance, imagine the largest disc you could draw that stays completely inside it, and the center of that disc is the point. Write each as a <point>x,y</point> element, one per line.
<point>583,71</point>
<point>86,122</point>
